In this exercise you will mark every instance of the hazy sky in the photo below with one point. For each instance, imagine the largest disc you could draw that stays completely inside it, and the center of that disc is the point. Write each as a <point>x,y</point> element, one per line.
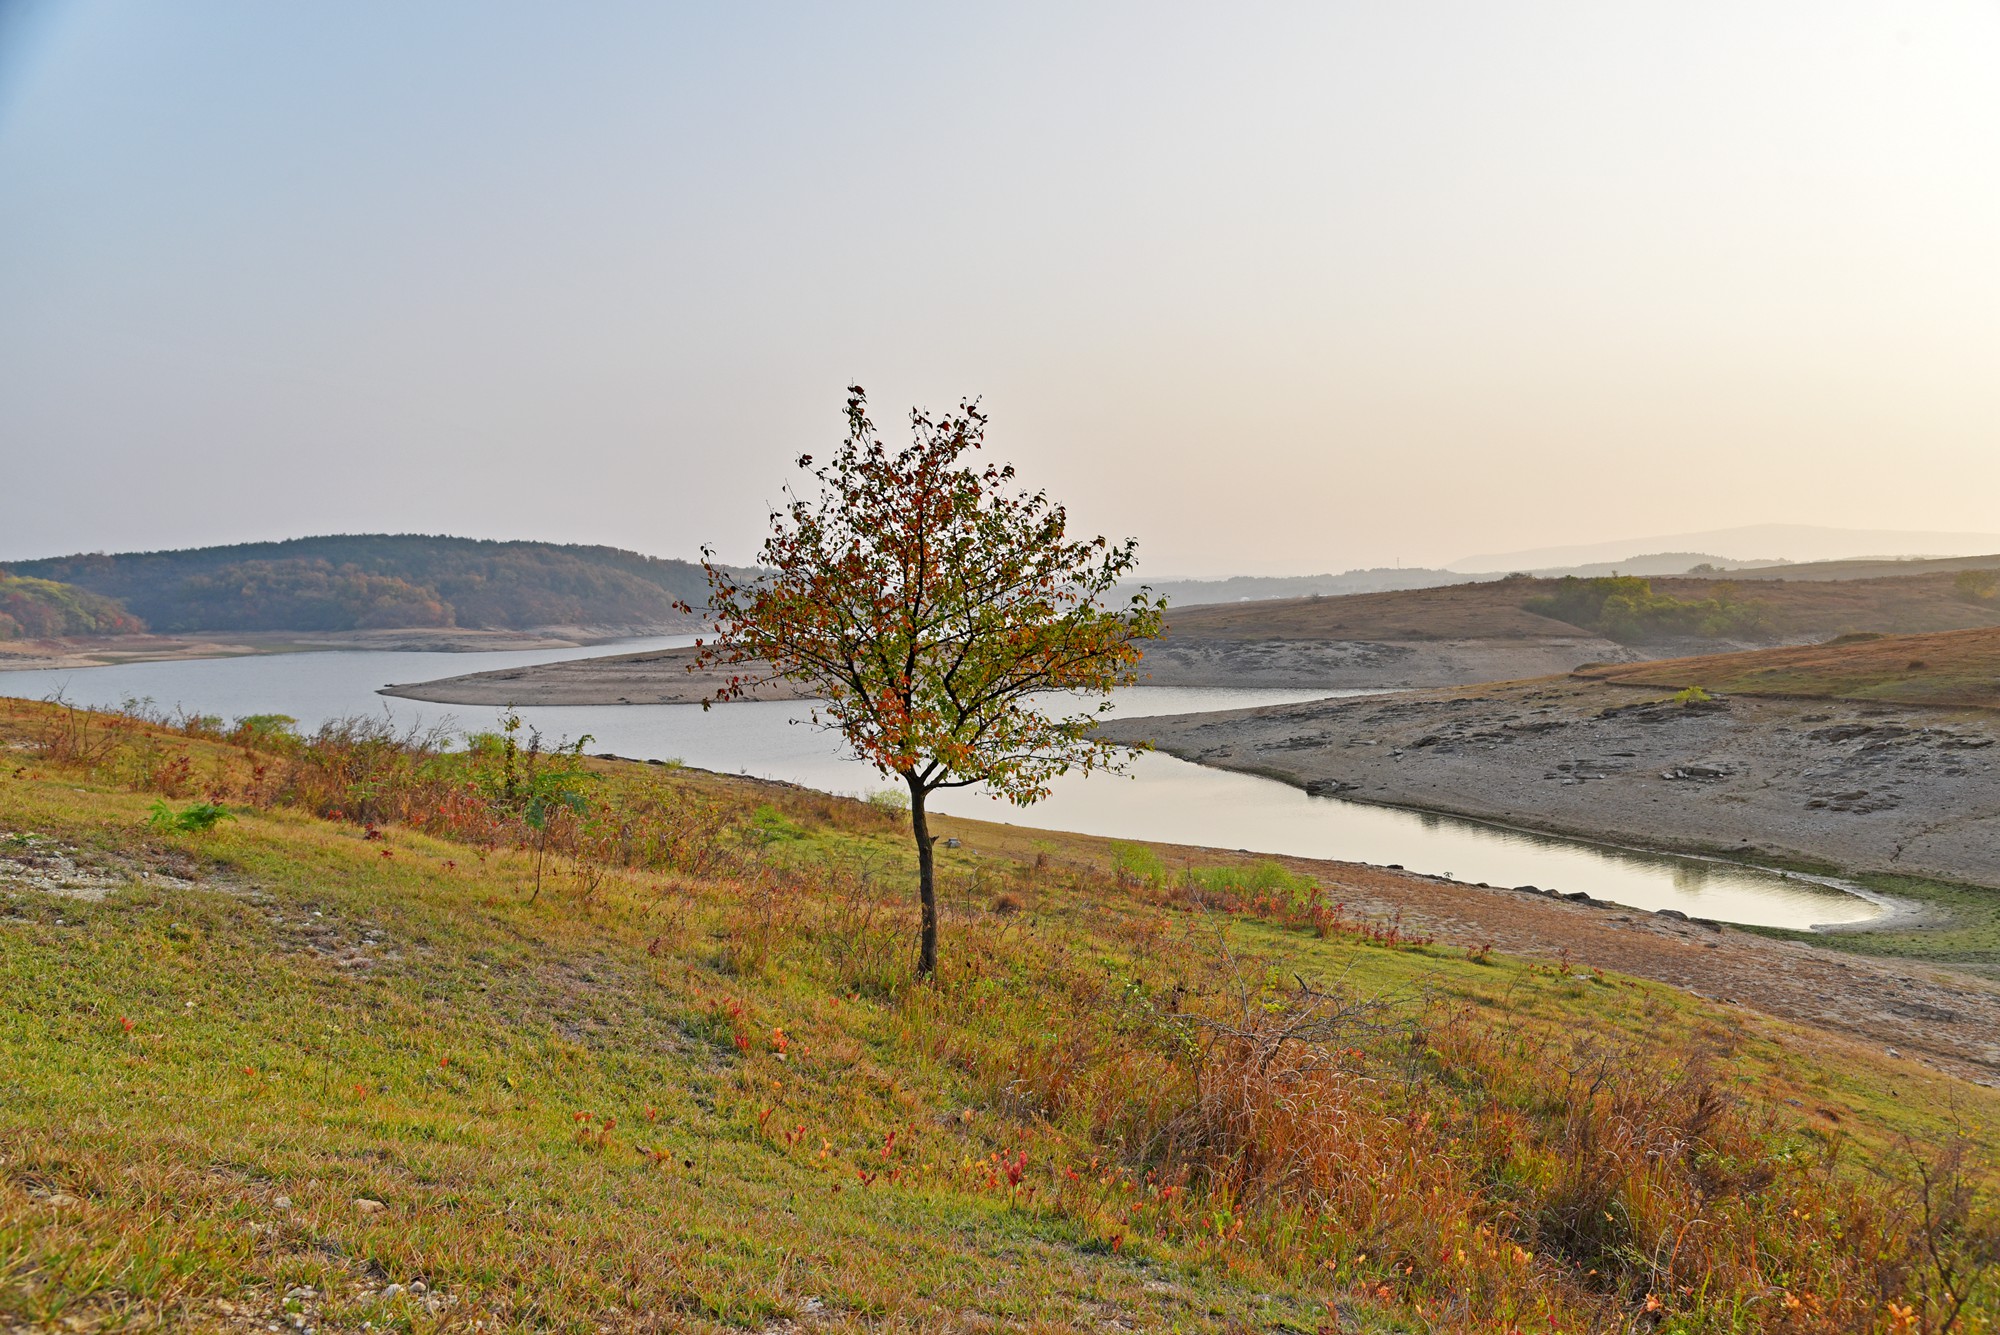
<point>1274,288</point>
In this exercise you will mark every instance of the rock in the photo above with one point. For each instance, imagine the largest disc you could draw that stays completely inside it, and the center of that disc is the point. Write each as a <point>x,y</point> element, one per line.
<point>418,1286</point>
<point>61,1200</point>
<point>1695,773</point>
<point>951,843</point>
<point>392,1291</point>
<point>1529,889</point>
<point>1675,914</point>
<point>368,1205</point>
<point>282,1203</point>
<point>1578,896</point>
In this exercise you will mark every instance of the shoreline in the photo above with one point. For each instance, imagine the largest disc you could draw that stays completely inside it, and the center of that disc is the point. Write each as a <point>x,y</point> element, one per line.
<point>1898,913</point>
<point>661,677</point>
<point>1814,787</point>
<point>1920,1009</point>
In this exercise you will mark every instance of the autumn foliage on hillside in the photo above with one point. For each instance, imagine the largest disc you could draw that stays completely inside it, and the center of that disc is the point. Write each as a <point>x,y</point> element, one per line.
<point>39,609</point>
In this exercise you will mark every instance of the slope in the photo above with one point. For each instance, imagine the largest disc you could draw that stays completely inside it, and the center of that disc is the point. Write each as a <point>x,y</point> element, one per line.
<point>448,1069</point>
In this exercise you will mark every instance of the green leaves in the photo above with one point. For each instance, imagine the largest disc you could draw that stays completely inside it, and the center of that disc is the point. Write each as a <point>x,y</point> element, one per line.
<point>196,818</point>
<point>931,605</point>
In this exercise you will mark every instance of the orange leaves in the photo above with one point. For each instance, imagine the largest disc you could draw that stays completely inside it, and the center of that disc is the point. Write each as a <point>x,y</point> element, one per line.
<point>928,604</point>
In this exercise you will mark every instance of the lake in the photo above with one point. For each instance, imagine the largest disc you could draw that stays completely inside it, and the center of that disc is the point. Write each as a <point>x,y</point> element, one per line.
<point>1162,799</point>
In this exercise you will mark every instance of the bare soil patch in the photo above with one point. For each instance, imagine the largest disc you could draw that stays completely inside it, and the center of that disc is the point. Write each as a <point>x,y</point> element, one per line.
<point>655,677</point>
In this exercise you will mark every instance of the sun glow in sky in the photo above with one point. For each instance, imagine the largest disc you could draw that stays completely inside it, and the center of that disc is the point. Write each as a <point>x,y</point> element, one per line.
<point>1276,288</point>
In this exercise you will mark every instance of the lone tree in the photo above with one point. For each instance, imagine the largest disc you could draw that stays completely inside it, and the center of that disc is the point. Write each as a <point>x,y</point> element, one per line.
<point>928,603</point>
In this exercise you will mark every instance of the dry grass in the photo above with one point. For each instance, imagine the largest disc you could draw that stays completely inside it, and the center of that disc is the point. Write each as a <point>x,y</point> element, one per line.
<point>694,1087</point>
<point>1951,669</point>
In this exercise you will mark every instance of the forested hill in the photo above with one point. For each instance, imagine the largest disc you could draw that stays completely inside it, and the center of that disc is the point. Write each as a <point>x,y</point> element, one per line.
<point>368,581</point>
<point>39,608</point>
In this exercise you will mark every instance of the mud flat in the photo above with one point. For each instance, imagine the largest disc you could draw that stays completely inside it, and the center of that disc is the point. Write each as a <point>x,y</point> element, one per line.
<point>1867,788</point>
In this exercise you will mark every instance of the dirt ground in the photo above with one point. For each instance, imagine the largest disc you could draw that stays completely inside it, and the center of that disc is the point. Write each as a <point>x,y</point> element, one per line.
<point>655,677</point>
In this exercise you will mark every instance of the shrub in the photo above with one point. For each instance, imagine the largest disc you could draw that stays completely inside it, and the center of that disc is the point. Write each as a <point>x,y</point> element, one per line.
<point>1977,586</point>
<point>1136,864</point>
<point>197,818</point>
<point>1625,608</point>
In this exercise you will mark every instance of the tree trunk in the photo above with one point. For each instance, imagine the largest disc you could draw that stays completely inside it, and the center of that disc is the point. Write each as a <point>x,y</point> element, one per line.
<point>926,879</point>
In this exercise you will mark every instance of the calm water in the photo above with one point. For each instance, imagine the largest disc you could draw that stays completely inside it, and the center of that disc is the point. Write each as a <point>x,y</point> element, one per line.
<point>1163,799</point>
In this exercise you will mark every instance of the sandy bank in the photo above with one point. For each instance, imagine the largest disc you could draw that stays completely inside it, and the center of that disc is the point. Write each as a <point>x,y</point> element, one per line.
<point>654,677</point>
<point>1866,787</point>
<point>662,677</point>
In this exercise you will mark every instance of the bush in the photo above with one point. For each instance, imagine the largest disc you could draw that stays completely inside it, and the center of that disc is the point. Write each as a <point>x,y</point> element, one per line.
<point>1977,586</point>
<point>1136,864</point>
<point>197,818</point>
<point>1625,608</point>
<point>1265,879</point>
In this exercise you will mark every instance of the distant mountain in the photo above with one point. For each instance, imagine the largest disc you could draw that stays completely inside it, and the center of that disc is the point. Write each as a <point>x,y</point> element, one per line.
<point>364,581</point>
<point>1759,543</point>
<point>1388,579</point>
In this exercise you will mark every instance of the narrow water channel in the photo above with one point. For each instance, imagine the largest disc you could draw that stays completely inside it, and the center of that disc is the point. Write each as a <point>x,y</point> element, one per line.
<point>1162,799</point>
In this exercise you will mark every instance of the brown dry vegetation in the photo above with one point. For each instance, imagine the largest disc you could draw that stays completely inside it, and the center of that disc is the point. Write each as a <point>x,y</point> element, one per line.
<point>1952,669</point>
<point>681,1079</point>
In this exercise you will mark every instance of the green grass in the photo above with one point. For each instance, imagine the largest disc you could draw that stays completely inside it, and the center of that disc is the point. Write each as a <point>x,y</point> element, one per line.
<point>446,1081</point>
<point>672,1101</point>
<point>1957,925</point>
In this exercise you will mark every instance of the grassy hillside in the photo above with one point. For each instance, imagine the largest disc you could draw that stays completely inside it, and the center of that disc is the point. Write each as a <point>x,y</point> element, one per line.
<point>358,582</point>
<point>42,609</point>
<point>1772,610</point>
<point>389,1047</point>
<point>1955,669</point>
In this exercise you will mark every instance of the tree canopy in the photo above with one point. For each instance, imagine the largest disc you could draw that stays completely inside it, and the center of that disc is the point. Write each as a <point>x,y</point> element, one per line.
<point>943,614</point>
